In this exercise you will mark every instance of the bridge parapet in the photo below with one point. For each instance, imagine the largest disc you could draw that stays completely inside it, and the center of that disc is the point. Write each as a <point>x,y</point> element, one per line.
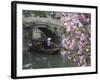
<point>42,20</point>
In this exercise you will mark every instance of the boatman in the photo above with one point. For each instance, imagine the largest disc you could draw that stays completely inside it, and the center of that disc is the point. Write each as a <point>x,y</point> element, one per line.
<point>49,42</point>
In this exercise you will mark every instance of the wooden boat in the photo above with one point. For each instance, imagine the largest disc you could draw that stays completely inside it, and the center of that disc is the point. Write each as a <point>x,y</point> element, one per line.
<point>38,46</point>
<point>41,45</point>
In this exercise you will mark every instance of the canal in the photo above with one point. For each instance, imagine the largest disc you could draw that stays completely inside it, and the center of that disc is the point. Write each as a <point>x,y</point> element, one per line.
<point>37,60</point>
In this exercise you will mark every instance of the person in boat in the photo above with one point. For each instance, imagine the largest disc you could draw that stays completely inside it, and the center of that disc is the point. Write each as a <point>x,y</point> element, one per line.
<point>49,42</point>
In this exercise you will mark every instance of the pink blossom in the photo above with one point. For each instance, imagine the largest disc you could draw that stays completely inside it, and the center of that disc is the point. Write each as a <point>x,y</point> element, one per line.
<point>77,37</point>
<point>83,36</point>
<point>72,45</point>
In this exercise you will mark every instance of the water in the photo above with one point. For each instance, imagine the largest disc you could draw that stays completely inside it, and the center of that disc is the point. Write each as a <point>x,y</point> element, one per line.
<point>37,60</point>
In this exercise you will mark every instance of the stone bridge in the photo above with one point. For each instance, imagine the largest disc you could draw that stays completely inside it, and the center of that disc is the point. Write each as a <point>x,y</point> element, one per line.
<point>42,20</point>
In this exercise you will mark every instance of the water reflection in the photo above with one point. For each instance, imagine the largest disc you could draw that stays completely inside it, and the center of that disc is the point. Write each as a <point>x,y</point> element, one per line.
<point>36,60</point>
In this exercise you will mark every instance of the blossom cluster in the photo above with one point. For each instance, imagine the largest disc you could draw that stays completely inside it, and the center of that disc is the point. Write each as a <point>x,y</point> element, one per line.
<point>77,40</point>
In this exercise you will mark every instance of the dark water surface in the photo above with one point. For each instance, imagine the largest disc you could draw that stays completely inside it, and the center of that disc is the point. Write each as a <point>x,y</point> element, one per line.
<point>36,60</point>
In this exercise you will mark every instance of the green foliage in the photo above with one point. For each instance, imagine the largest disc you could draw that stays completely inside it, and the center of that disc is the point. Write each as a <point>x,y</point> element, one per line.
<point>26,13</point>
<point>49,26</point>
<point>40,13</point>
<point>29,13</point>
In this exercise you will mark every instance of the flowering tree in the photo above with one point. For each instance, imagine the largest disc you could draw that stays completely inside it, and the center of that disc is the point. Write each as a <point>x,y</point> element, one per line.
<point>77,38</point>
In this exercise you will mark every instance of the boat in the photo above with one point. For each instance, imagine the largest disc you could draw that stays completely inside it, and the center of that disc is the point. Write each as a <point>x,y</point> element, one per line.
<point>41,45</point>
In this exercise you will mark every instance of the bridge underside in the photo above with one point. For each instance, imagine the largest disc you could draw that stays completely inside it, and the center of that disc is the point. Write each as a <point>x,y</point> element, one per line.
<point>48,27</point>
